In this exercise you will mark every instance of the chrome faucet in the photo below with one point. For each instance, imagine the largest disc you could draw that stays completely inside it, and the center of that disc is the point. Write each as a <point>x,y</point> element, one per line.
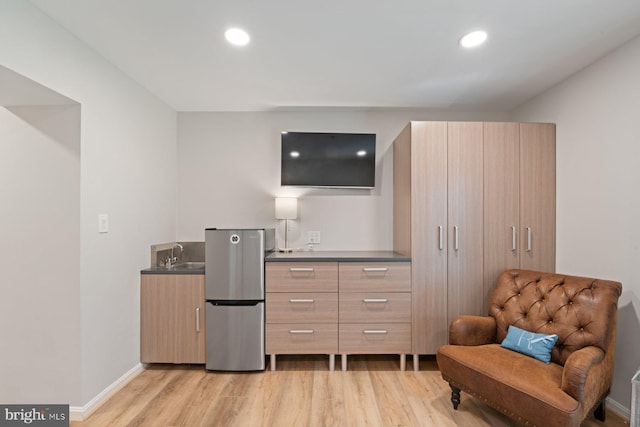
<point>173,258</point>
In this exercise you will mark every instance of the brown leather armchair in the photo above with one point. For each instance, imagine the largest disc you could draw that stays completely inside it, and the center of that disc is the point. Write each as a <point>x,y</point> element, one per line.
<point>581,311</point>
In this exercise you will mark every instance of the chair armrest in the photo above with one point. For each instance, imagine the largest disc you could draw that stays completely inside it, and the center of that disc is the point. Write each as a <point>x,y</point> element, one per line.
<point>581,366</point>
<point>472,330</point>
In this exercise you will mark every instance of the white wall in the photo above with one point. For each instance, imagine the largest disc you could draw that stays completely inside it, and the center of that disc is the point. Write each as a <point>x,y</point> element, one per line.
<point>40,226</point>
<point>229,175</point>
<point>598,206</point>
<point>127,170</point>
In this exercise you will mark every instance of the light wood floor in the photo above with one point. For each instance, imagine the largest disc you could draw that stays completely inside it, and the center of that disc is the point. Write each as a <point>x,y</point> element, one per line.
<point>302,392</point>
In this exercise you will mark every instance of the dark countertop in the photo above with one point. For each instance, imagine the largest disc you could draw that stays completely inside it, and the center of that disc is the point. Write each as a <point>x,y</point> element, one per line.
<point>338,256</point>
<point>193,268</point>
<point>318,256</point>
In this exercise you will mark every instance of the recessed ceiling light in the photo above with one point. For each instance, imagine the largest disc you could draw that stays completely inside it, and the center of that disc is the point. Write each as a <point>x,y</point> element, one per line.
<point>361,153</point>
<point>473,39</point>
<point>294,154</point>
<point>237,36</point>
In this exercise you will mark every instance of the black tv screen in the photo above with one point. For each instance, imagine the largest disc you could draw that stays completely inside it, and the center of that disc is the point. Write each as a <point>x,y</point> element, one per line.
<point>314,159</point>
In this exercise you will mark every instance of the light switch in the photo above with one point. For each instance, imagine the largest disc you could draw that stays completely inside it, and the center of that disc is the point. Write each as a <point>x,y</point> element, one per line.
<point>103,223</point>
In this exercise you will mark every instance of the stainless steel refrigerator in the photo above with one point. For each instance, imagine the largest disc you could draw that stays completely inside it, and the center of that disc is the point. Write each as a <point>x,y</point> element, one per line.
<point>234,293</point>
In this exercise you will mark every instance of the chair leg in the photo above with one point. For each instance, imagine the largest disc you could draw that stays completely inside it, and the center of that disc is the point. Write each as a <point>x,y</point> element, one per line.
<point>599,413</point>
<point>455,396</point>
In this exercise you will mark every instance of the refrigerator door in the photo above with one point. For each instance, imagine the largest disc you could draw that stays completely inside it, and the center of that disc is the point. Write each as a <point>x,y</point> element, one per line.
<point>235,336</point>
<point>234,262</point>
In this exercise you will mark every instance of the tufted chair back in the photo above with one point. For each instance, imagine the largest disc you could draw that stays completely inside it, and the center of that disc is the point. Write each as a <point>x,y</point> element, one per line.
<point>579,310</point>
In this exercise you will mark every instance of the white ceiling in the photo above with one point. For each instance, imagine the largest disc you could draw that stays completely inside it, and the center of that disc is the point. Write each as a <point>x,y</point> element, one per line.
<point>348,53</point>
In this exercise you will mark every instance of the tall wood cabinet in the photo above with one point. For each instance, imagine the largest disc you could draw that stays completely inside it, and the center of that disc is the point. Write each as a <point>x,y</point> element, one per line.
<point>519,199</point>
<point>459,187</point>
<point>172,318</point>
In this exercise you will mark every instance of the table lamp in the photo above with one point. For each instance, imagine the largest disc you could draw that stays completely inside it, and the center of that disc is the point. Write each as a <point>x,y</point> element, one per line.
<point>286,208</point>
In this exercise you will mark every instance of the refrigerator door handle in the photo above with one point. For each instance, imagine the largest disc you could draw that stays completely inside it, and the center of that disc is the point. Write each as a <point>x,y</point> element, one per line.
<point>232,303</point>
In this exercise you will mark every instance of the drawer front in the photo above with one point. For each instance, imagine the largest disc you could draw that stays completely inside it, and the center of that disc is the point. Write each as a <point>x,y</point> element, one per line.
<point>375,307</point>
<point>364,338</point>
<point>375,276</point>
<point>302,277</point>
<point>306,307</point>
<point>301,338</point>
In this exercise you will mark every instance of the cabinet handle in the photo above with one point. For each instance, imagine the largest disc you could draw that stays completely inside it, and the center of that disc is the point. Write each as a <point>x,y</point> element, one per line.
<point>375,331</point>
<point>455,237</point>
<point>198,319</point>
<point>441,237</point>
<point>301,269</point>
<point>301,300</point>
<point>528,239</point>
<point>513,239</point>
<point>301,331</point>
<point>374,269</point>
<point>375,300</point>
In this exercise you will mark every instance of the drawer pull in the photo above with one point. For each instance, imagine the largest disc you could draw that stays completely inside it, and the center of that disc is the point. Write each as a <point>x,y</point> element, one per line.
<point>301,269</point>
<point>380,300</point>
<point>375,331</point>
<point>301,300</point>
<point>375,269</point>
<point>301,331</point>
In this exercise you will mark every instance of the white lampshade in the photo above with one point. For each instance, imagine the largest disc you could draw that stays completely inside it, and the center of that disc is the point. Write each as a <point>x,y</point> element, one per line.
<point>286,208</point>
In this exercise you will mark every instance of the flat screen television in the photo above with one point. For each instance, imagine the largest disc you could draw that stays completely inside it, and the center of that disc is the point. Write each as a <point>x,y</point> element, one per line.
<point>337,160</point>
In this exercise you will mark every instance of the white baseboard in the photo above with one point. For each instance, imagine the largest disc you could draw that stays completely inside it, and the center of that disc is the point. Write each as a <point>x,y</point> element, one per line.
<point>618,408</point>
<point>80,413</point>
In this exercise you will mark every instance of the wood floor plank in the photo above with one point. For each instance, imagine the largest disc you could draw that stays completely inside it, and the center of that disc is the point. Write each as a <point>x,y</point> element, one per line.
<point>360,399</point>
<point>121,408</point>
<point>328,405</point>
<point>302,392</point>
<point>394,408</point>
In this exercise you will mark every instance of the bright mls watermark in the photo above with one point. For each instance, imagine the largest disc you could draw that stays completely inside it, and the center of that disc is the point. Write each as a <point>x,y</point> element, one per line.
<point>34,415</point>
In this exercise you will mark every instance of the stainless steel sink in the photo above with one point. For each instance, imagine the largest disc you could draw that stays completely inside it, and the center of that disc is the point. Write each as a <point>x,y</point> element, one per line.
<point>190,264</point>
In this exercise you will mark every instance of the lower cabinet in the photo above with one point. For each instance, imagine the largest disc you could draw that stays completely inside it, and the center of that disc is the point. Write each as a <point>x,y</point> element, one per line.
<point>172,327</point>
<point>375,309</point>
<point>301,309</point>
<point>338,308</point>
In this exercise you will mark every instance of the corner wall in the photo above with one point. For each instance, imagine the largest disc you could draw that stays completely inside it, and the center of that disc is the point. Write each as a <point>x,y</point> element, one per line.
<point>40,253</point>
<point>127,170</point>
<point>598,207</point>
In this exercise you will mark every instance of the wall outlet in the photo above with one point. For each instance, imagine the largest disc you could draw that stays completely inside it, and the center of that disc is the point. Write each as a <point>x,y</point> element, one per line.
<point>314,237</point>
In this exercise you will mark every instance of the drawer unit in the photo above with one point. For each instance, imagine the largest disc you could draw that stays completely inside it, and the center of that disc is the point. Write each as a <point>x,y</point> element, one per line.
<point>375,277</point>
<point>367,307</point>
<point>346,307</point>
<point>363,338</point>
<point>302,277</point>
<point>301,309</point>
<point>302,338</point>
<point>311,307</point>
<point>375,309</point>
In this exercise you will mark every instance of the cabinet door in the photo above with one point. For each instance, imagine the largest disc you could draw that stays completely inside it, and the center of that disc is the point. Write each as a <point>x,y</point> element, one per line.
<point>465,193</point>
<point>189,317</point>
<point>428,240</point>
<point>538,196</point>
<point>501,202</point>
<point>157,318</point>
